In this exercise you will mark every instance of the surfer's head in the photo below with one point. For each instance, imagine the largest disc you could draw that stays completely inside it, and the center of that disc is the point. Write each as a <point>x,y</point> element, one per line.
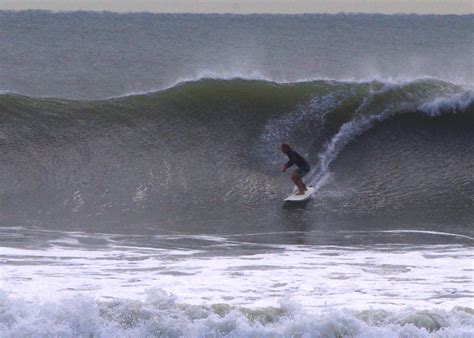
<point>285,148</point>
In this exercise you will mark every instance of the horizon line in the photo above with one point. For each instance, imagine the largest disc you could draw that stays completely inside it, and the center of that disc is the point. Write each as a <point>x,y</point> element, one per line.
<point>59,11</point>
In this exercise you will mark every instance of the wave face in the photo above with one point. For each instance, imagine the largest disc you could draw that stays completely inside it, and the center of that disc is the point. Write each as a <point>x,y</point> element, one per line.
<point>209,150</point>
<point>162,315</point>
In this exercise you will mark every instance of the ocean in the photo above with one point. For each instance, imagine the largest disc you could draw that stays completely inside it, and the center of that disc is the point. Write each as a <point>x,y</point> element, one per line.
<point>141,191</point>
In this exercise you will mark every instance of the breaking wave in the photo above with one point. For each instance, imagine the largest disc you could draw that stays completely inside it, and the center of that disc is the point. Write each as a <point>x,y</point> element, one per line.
<point>209,148</point>
<point>161,314</point>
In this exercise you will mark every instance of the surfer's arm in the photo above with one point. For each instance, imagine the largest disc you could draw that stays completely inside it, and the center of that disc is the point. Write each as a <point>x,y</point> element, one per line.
<point>290,162</point>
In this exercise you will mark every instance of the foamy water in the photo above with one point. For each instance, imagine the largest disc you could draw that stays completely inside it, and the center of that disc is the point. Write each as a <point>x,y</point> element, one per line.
<point>196,285</point>
<point>241,273</point>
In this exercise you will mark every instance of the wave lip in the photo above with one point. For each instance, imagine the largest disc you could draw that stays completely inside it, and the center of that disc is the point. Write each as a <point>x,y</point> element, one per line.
<point>455,103</point>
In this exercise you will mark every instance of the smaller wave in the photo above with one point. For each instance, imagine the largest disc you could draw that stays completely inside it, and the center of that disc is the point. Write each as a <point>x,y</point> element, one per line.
<point>162,315</point>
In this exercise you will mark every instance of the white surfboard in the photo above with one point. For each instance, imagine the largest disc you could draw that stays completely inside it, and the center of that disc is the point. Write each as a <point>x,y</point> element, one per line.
<point>299,198</point>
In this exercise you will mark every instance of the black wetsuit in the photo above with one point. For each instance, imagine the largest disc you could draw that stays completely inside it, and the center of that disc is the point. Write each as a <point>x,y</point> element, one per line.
<point>295,158</point>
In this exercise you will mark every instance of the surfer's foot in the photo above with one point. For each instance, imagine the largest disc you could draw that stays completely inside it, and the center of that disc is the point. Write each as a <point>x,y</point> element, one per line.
<point>300,193</point>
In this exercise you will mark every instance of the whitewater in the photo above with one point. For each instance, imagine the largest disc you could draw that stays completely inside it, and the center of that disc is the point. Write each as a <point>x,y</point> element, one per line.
<point>141,188</point>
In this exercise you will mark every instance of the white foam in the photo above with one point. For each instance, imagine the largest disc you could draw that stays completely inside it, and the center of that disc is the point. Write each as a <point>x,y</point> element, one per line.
<point>162,314</point>
<point>316,276</point>
<point>115,288</point>
<point>453,103</point>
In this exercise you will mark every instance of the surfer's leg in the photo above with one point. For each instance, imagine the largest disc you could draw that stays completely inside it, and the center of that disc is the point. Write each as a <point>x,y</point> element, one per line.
<point>302,173</point>
<point>299,183</point>
<point>301,186</point>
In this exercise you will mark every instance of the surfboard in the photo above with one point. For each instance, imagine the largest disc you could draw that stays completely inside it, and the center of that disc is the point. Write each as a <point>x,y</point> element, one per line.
<point>300,198</point>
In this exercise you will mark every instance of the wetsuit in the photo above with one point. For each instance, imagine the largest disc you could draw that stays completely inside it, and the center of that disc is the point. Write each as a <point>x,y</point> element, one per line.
<point>295,158</point>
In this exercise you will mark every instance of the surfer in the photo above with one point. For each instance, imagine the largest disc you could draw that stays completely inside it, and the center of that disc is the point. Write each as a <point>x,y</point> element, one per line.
<point>300,172</point>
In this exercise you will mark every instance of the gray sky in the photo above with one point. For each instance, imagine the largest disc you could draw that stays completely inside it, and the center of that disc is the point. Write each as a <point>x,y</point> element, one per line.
<point>250,6</point>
